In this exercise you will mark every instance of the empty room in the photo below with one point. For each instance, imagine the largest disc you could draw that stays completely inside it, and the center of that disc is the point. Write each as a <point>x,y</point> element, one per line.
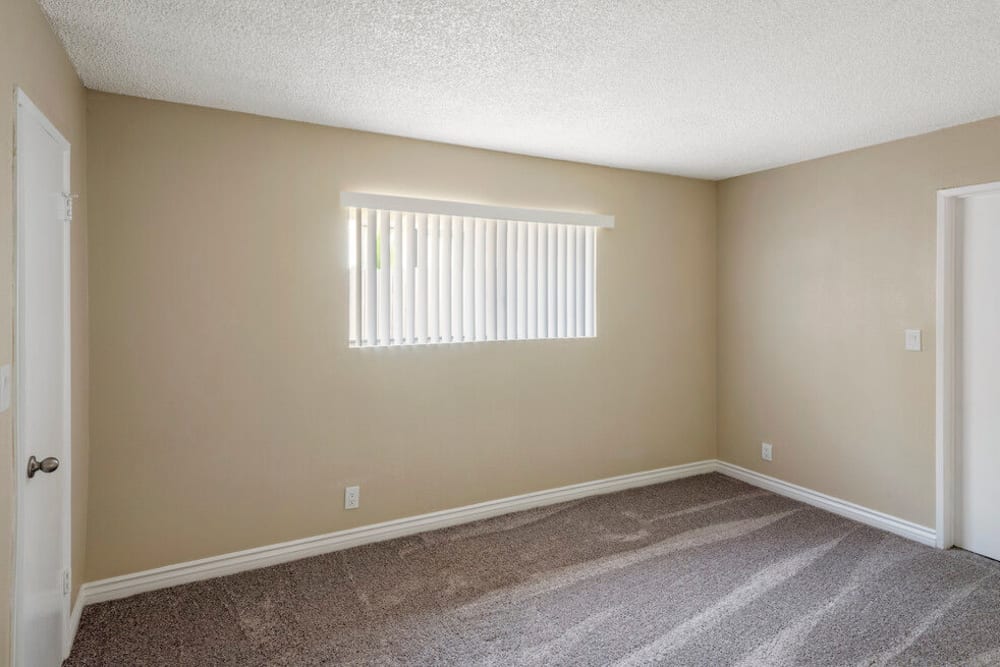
<point>569,332</point>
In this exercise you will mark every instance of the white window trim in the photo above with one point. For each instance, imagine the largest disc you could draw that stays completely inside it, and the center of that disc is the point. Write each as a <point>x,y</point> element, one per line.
<point>432,279</point>
<point>465,209</point>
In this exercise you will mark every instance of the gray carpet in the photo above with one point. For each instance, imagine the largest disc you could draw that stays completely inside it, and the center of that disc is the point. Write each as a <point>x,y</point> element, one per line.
<point>701,571</point>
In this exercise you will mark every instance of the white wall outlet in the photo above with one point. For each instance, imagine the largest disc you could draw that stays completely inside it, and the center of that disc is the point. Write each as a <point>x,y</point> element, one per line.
<point>913,340</point>
<point>765,451</point>
<point>352,497</point>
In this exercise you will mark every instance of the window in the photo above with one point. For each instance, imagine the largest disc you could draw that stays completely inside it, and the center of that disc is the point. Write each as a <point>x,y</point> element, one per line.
<point>426,272</point>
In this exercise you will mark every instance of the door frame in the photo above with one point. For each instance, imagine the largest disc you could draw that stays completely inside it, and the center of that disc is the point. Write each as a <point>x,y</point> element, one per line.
<point>947,424</point>
<point>25,109</point>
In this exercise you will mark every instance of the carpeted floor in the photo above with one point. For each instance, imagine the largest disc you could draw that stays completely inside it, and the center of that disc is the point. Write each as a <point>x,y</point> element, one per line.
<point>701,571</point>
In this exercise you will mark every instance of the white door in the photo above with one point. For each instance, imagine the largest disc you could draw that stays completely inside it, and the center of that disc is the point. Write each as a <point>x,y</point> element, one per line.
<point>978,379</point>
<point>41,384</point>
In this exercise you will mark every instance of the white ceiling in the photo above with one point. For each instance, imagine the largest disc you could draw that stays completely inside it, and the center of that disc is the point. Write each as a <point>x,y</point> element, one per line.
<point>690,87</point>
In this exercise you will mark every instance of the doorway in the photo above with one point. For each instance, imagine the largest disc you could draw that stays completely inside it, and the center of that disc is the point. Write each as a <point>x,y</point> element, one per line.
<point>42,577</point>
<point>969,368</point>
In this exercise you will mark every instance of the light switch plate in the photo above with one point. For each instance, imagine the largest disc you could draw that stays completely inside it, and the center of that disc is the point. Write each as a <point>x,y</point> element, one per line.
<point>4,387</point>
<point>913,340</point>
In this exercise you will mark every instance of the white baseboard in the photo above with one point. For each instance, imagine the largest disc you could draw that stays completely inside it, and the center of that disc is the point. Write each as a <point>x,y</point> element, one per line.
<point>251,559</point>
<point>887,522</point>
<point>73,623</point>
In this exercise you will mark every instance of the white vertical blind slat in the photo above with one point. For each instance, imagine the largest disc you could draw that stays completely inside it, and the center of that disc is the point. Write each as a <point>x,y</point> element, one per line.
<point>511,280</point>
<point>522,280</point>
<point>468,280</point>
<point>444,282</point>
<point>542,274</point>
<point>561,281</point>
<point>531,284</point>
<point>457,279</point>
<point>590,301</point>
<point>551,282</point>
<point>570,282</point>
<point>501,299</point>
<point>581,281</point>
<point>384,287</point>
<point>395,280</point>
<point>433,279</point>
<point>408,283</point>
<point>479,272</point>
<point>354,263</point>
<point>490,289</point>
<point>420,278</point>
<point>370,280</point>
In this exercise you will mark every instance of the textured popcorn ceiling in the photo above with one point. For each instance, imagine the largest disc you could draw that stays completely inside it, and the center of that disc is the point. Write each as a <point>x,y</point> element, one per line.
<point>691,87</point>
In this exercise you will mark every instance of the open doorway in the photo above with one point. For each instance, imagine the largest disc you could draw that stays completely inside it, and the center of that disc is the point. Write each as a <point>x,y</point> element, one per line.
<point>969,368</point>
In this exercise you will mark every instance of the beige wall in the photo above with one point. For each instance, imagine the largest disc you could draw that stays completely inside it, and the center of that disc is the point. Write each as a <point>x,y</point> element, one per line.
<point>822,265</point>
<point>227,410</point>
<point>32,58</point>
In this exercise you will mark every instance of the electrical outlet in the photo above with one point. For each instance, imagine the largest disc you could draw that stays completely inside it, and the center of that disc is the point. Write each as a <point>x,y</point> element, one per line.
<point>765,451</point>
<point>352,497</point>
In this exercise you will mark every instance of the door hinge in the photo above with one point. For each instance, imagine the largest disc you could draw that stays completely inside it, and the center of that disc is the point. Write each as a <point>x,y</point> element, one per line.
<point>67,206</point>
<point>66,582</point>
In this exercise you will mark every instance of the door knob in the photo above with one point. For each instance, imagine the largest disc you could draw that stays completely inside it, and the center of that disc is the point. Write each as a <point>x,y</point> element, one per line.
<point>48,464</point>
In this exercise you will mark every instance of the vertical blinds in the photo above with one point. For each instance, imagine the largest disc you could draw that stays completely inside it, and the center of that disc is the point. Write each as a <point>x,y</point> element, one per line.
<point>424,278</point>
